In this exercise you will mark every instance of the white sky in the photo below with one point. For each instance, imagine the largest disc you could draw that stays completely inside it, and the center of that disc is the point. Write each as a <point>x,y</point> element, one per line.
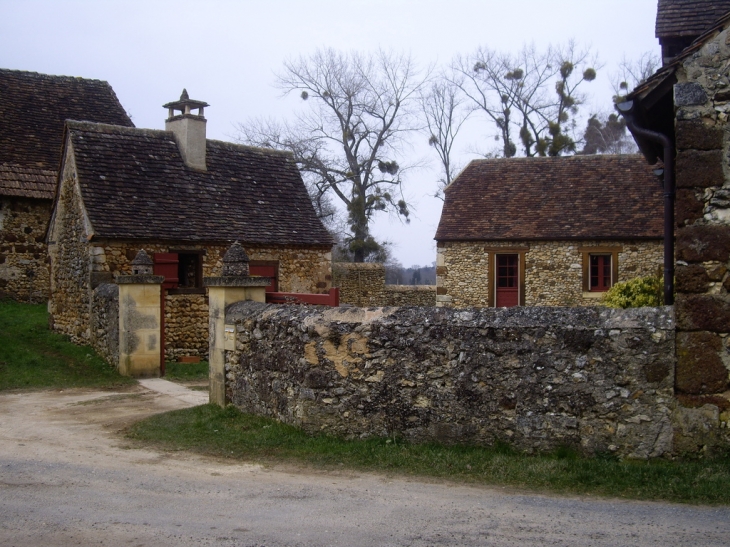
<point>226,53</point>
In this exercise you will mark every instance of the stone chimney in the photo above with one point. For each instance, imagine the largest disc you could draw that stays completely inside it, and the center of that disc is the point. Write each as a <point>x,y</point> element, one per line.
<point>189,129</point>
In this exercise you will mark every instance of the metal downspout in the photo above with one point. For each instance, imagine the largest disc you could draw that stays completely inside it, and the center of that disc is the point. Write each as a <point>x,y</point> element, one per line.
<point>626,110</point>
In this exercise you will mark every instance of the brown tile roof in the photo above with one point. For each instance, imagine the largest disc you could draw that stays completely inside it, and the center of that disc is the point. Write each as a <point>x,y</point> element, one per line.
<point>688,17</point>
<point>33,109</point>
<point>578,197</point>
<point>135,186</point>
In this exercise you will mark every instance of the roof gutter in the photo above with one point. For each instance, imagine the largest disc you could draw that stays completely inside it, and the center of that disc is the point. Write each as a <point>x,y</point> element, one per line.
<point>626,109</point>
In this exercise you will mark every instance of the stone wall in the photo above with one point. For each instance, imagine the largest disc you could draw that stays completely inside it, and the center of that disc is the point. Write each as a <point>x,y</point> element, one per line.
<point>363,285</point>
<point>24,272</point>
<point>105,321</point>
<point>702,101</point>
<point>594,378</point>
<point>186,326</point>
<point>70,265</point>
<point>553,270</point>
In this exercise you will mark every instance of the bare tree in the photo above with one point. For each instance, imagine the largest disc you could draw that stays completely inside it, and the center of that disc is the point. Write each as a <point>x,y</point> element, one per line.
<point>444,110</point>
<point>349,140</point>
<point>514,91</point>
<point>633,72</point>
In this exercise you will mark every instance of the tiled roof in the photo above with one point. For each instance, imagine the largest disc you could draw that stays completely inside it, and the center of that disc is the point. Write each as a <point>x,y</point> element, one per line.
<point>33,109</point>
<point>135,186</point>
<point>578,197</point>
<point>688,17</point>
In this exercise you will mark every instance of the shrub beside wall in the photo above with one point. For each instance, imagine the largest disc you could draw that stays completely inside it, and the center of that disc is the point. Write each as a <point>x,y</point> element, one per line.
<point>594,378</point>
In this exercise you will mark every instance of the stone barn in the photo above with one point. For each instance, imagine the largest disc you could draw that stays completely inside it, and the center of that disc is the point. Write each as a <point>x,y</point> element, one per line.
<point>33,109</point>
<point>547,231</point>
<point>183,199</point>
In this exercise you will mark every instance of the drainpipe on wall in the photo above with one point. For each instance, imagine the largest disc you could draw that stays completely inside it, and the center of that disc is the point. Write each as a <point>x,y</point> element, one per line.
<point>626,110</point>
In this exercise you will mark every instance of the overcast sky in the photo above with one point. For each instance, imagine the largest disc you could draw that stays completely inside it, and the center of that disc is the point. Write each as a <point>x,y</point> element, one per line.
<point>226,53</point>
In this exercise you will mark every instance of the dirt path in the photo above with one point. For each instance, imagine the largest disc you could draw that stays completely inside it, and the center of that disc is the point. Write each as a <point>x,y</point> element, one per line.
<point>68,478</point>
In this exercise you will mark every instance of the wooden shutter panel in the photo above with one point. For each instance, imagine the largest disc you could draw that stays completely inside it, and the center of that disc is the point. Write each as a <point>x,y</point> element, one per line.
<point>166,264</point>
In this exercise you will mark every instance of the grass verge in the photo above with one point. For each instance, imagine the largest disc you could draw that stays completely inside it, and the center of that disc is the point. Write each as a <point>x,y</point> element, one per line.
<point>186,372</point>
<point>33,357</point>
<point>228,433</point>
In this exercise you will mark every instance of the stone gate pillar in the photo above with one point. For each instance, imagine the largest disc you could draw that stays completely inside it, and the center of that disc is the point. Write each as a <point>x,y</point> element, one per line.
<point>140,340</point>
<point>235,285</point>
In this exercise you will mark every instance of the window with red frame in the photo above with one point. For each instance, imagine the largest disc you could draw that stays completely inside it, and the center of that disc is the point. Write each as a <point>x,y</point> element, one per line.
<point>600,272</point>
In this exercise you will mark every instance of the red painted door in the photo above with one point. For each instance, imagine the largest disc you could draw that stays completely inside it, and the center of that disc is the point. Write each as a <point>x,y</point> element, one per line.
<point>508,280</point>
<point>265,271</point>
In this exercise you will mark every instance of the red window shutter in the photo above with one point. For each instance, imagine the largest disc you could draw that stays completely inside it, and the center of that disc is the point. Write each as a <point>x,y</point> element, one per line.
<point>166,264</point>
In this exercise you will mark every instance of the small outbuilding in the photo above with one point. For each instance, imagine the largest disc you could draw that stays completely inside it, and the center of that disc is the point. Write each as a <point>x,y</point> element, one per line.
<point>184,199</point>
<point>547,231</point>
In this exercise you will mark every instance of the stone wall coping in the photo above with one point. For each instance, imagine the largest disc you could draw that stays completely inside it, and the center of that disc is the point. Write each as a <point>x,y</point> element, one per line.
<point>144,279</point>
<point>579,318</point>
<point>237,281</point>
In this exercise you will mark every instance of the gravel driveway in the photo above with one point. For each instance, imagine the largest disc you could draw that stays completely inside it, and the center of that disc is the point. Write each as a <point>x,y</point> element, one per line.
<point>68,478</point>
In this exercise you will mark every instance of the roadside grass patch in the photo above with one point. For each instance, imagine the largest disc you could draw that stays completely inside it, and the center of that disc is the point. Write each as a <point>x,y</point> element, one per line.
<point>33,357</point>
<point>229,433</point>
<point>186,372</point>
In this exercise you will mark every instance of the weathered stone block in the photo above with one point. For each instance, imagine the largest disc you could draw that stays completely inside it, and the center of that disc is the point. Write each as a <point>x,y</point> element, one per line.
<point>703,312</point>
<point>689,94</point>
<point>703,243</point>
<point>700,168</point>
<point>692,279</point>
<point>688,208</point>
<point>700,369</point>
<point>698,136</point>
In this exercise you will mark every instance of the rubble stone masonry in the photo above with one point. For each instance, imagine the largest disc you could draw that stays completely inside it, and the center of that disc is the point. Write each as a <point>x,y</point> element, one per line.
<point>363,284</point>
<point>553,270</point>
<point>595,378</point>
<point>24,272</point>
<point>702,101</point>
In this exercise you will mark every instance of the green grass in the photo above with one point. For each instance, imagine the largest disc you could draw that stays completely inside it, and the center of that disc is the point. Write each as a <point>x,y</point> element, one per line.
<point>229,433</point>
<point>186,371</point>
<point>32,357</point>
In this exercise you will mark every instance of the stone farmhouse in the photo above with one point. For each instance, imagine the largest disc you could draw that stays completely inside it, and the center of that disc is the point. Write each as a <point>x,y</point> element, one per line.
<point>547,231</point>
<point>183,199</point>
<point>33,109</point>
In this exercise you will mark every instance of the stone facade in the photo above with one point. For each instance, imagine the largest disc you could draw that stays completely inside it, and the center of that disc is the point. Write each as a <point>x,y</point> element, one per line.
<point>186,326</point>
<point>554,271</point>
<point>71,265</point>
<point>594,378</point>
<point>24,272</point>
<point>363,284</point>
<point>702,103</point>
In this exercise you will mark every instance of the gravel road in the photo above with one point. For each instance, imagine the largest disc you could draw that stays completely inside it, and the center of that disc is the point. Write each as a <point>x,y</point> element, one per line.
<point>67,477</point>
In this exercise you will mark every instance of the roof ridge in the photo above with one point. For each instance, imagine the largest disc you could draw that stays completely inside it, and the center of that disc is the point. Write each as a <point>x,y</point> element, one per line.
<point>43,76</point>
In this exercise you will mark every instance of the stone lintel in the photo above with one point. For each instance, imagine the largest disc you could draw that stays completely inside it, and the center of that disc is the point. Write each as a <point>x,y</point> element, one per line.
<point>143,279</point>
<point>237,281</point>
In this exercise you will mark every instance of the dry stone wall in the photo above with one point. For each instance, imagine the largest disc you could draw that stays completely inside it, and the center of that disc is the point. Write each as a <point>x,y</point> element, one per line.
<point>105,322</point>
<point>363,285</point>
<point>24,272</point>
<point>702,101</point>
<point>553,270</point>
<point>594,378</point>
